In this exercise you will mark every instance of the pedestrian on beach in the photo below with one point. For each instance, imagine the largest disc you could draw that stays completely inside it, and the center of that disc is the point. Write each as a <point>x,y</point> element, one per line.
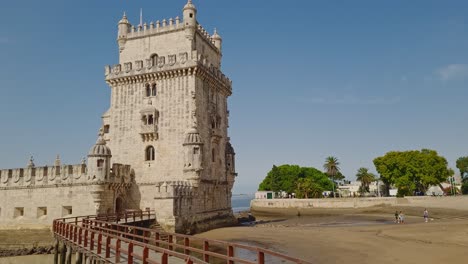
<point>426,215</point>
<point>397,218</point>
<point>402,218</point>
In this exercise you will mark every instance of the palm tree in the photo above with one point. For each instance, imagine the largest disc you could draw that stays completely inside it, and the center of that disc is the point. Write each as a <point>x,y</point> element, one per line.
<point>365,177</point>
<point>332,169</point>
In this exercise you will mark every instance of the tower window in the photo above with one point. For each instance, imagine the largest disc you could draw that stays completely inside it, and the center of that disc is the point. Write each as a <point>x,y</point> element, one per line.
<point>191,15</point>
<point>100,163</point>
<point>19,211</point>
<point>153,90</point>
<point>106,129</point>
<point>150,120</point>
<point>41,211</point>
<point>149,155</point>
<point>154,59</point>
<point>148,90</point>
<point>67,210</point>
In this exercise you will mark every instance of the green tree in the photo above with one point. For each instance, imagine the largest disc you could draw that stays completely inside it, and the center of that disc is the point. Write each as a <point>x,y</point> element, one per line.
<point>332,169</point>
<point>412,170</point>
<point>366,178</point>
<point>286,177</point>
<point>462,166</point>
<point>307,188</point>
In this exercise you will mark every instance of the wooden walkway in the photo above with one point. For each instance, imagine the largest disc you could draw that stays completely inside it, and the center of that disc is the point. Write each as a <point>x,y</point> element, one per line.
<point>116,239</point>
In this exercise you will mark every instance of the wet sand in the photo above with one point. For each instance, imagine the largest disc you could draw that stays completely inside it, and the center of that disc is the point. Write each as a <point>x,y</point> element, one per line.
<point>359,236</point>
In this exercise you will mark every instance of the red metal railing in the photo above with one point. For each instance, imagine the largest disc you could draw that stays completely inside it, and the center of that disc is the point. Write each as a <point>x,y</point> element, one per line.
<point>104,238</point>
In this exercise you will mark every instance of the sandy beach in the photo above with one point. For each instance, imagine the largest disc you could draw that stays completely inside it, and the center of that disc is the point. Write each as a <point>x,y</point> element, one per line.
<point>359,236</point>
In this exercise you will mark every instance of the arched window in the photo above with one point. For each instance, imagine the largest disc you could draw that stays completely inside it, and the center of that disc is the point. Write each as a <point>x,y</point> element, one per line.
<point>149,153</point>
<point>154,59</point>
<point>153,90</point>
<point>148,90</point>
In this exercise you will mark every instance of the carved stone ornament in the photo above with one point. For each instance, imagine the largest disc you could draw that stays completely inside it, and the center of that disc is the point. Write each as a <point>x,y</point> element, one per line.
<point>139,65</point>
<point>128,66</point>
<point>107,70</point>
<point>161,61</point>
<point>149,63</point>
<point>16,177</point>
<point>28,177</point>
<point>183,57</point>
<point>172,59</point>
<point>117,69</point>
<point>4,178</point>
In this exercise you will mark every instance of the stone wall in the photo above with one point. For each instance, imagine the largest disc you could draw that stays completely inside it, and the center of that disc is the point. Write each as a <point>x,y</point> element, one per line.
<point>457,202</point>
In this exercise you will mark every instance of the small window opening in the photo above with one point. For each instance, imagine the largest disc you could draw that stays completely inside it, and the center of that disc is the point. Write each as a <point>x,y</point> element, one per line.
<point>149,153</point>
<point>19,212</point>
<point>41,212</point>
<point>67,210</point>
<point>148,90</point>
<point>106,129</point>
<point>154,59</point>
<point>100,163</point>
<point>212,155</point>
<point>153,90</point>
<point>150,120</point>
<point>196,151</point>
<point>191,15</point>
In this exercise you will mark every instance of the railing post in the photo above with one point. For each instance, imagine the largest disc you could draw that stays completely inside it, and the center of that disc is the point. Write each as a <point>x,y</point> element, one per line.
<point>186,245</point>
<point>230,251</point>
<point>145,255</point>
<point>261,257</point>
<point>91,246</point>
<point>206,248</point>
<point>164,258</point>
<point>108,241</point>
<point>156,238</point>
<point>86,238</point>
<point>130,253</point>
<point>170,242</point>
<point>80,233</point>
<point>117,251</point>
<point>99,243</point>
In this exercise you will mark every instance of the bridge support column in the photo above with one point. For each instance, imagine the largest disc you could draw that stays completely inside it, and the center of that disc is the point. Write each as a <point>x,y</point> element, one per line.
<point>56,251</point>
<point>69,255</point>
<point>79,258</point>
<point>63,253</point>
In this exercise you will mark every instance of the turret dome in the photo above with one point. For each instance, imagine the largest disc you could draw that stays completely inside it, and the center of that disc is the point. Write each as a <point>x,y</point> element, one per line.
<point>100,149</point>
<point>124,19</point>
<point>190,6</point>
<point>216,36</point>
<point>192,137</point>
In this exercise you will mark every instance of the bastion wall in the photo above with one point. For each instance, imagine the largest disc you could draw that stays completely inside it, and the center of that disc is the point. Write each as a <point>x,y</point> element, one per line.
<point>448,202</point>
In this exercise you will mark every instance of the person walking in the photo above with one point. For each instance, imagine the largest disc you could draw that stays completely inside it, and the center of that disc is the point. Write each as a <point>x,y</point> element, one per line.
<point>397,217</point>
<point>402,218</point>
<point>426,215</point>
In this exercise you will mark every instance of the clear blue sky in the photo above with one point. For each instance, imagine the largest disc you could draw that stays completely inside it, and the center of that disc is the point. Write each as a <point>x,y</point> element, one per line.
<point>352,79</point>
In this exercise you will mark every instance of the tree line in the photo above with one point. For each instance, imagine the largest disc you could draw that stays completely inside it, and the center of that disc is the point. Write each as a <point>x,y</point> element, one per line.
<point>410,172</point>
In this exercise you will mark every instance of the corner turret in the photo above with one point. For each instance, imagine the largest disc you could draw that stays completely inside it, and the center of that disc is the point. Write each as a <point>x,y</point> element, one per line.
<point>190,19</point>
<point>218,41</point>
<point>99,159</point>
<point>124,29</point>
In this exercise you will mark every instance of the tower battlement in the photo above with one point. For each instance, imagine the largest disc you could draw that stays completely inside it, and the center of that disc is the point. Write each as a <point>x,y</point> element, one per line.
<point>59,175</point>
<point>166,66</point>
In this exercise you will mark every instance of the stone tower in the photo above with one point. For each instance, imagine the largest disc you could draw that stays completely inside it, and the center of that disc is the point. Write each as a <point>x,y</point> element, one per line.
<point>168,119</point>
